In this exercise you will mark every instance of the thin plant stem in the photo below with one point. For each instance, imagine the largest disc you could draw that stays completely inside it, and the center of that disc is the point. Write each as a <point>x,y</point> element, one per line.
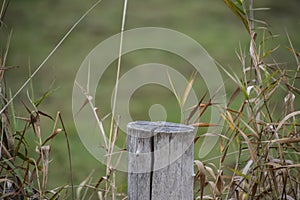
<point>115,95</point>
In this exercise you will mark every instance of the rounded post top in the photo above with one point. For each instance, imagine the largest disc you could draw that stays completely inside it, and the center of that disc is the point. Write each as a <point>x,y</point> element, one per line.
<point>160,127</point>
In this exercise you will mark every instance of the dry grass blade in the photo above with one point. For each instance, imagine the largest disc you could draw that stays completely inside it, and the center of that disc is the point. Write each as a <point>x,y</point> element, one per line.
<point>100,195</point>
<point>173,88</point>
<point>214,135</point>
<point>211,172</point>
<point>89,100</point>
<point>202,124</point>
<point>188,89</point>
<point>108,170</point>
<point>53,135</point>
<point>201,176</point>
<point>212,189</point>
<point>57,192</point>
<point>233,96</point>
<point>293,51</point>
<point>248,142</point>
<point>253,132</point>
<point>45,151</point>
<point>233,126</point>
<point>3,60</point>
<point>255,57</point>
<point>195,109</point>
<point>69,154</point>
<point>283,140</point>
<point>82,185</point>
<point>282,122</point>
<point>4,7</point>
<point>204,108</point>
<point>219,183</point>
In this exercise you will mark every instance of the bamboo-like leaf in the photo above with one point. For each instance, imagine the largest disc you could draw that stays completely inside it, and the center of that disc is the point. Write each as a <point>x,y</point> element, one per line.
<point>270,51</point>
<point>239,6</point>
<point>235,79</point>
<point>44,96</point>
<point>237,12</point>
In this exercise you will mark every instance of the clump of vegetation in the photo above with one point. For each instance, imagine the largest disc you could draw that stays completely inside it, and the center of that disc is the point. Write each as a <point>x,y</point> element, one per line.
<point>265,142</point>
<point>263,128</point>
<point>24,174</point>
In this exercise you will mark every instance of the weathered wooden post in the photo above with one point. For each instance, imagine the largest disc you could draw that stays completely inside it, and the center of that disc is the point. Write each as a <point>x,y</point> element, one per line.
<point>160,161</point>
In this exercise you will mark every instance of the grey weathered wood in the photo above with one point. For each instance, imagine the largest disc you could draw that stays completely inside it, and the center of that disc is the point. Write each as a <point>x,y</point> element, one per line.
<point>160,161</point>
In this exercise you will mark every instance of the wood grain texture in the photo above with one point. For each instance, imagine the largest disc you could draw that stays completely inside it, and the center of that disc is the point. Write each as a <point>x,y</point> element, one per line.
<point>160,161</point>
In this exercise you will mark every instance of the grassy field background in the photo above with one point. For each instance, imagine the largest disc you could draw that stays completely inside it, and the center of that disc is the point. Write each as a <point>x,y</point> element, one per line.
<point>37,26</point>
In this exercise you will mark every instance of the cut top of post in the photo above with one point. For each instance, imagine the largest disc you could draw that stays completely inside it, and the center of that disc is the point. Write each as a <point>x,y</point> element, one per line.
<point>160,161</point>
<point>159,127</point>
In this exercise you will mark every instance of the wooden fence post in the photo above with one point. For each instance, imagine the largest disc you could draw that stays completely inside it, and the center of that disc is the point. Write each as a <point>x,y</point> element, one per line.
<point>160,161</point>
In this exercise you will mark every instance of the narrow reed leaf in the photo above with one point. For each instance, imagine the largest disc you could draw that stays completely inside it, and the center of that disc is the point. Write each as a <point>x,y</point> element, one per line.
<point>173,88</point>
<point>188,89</point>
<point>238,12</point>
<point>270,51</point>
<point>44,96</point>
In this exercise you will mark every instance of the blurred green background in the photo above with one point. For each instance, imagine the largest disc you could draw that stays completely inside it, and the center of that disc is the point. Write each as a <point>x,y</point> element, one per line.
<point>37,26</point>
